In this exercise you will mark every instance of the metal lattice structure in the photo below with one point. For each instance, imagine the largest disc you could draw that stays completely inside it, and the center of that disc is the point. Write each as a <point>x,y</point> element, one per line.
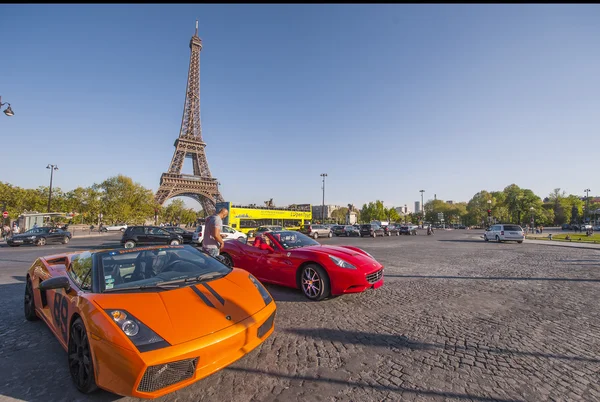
<point>200,186</point>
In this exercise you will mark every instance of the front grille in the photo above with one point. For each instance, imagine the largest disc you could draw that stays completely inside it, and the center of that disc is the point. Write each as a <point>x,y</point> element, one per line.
<point>375,276</point>
<point>163,375</point>
<point>263,329</point>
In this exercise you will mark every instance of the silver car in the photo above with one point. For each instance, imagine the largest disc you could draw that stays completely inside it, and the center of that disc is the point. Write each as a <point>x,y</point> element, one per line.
<point>316,231</point>
<point>504,233</point>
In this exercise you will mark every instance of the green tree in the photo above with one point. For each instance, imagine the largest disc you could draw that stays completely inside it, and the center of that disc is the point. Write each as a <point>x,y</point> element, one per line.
<point>122,200</point>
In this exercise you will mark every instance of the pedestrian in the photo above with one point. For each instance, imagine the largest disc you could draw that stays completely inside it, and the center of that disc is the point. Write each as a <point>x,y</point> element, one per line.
<point>35,225</point>
<point>213,242</point>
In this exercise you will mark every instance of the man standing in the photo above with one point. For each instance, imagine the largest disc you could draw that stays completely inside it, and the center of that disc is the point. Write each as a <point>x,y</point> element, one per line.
<point>213,242</point>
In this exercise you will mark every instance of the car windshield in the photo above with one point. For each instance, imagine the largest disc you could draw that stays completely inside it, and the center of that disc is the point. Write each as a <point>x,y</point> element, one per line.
<point>153,267</point>
<point>289,239</point>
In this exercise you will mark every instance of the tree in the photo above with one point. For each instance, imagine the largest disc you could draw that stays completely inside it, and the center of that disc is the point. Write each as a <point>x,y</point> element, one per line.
<point>125,201</point>
<point>340,214</point>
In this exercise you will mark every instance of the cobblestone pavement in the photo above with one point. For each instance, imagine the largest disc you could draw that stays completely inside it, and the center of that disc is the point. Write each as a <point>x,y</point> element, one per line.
<point>457,319</point>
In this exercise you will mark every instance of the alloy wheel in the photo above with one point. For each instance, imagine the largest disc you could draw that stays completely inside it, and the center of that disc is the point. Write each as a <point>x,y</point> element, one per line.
<point>311,283</point>
<point>80,358</point>
<point>41,241</point>
<point>29,302</point>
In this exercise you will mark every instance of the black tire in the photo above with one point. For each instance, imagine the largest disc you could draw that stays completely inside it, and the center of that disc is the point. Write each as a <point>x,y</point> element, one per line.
<point>79,355</point>
<point>519,241</point>
<point>66,240</point>
<point>29,302</point>
<point>498,238</point>
<point>227,260</point>
<point>41,241</point>
<point>129,244</point>
<point>174,242</point>
<point>314,282</point>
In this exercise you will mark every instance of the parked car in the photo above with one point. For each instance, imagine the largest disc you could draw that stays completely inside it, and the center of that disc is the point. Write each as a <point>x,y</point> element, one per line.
<point>347,230</point>
<point>408,230</point>
<point>145,322</point>
<point>371,229</point>
<point>187,235</point>
<point>229,233</point>
<point>292,259</point>
<point>112,228</point>
<point>316,231</point>
<point>566,226</point>
<point>40,237</point>
<point>147,235</point>
<point>198,235</point>
<point>504,233</point>
<point>390,230</point>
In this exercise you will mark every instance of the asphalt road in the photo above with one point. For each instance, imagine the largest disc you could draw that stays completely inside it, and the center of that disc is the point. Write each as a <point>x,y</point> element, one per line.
<point>457,319</point>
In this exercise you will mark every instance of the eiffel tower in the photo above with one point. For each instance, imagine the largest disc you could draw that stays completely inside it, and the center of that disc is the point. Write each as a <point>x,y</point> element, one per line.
<point>200,186</point>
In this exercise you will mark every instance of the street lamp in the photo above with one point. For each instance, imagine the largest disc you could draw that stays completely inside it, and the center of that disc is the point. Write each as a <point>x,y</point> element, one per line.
<point>532,218</point>
<point>9,112</point>
<point>323,175</point>
<point>489,202</point>
<point>422,206</point>
<point>52,169</point>
<point>587,202</point>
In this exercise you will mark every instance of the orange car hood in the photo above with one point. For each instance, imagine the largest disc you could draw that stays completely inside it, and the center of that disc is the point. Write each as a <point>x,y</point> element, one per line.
<point>190,312</point>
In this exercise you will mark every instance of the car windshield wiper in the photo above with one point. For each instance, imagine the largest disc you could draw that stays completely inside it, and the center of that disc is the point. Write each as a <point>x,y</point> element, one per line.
<point>163,285</point>
<point>204,277</point>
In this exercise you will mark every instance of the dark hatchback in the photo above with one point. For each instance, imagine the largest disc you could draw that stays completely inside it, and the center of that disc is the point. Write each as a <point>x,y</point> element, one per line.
<point>40,237</point>
<point>371,230</point>
<point>149,235</point>
<point>187,236</point>
<point>392,230</point>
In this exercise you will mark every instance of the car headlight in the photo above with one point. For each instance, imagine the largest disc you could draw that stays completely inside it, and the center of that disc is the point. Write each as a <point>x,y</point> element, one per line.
<point>341,263</point>
<point>261,289</point>
<point>140,335</point>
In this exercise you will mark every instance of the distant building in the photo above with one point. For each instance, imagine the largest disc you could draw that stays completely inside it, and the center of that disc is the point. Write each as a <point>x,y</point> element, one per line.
<point>450,202</point>
<point>316,211</point>
<point>417,206</point>
<point>405,210</point>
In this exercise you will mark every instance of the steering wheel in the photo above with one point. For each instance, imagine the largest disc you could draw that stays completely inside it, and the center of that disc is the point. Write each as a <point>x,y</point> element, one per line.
<point>171,265</point>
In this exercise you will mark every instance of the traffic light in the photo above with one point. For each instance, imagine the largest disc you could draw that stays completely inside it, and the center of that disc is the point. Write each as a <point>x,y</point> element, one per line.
<point>489,212</point>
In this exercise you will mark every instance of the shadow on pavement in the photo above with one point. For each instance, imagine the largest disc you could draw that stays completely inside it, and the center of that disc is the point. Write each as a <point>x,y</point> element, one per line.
<point>284,294</point>
<point>385,388</point>
<point>493,278</point>
<point>400,341</point>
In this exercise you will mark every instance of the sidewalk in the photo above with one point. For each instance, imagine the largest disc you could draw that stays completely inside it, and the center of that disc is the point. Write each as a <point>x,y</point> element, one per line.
<point>562,243</point>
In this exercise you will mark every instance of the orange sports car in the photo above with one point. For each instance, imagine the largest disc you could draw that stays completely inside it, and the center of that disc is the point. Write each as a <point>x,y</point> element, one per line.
<point>147,321</point>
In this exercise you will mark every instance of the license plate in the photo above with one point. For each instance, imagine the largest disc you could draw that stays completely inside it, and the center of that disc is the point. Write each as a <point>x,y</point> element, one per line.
<point>513,233</point>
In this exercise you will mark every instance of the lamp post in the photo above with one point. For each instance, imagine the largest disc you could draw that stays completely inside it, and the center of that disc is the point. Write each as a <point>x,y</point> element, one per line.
<point>489,202</point>
<point>8,111</point>
<point>531,209</point>
<point>422,207</point>
<point>587,203</point>
<point>323,175</point>
<point>52,169</point>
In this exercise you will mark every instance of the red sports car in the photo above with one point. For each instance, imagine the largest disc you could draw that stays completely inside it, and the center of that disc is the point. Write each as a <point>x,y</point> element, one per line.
<point>292,259</point>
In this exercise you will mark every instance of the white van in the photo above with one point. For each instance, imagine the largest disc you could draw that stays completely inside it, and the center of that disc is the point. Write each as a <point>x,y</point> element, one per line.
<point>504,233</point>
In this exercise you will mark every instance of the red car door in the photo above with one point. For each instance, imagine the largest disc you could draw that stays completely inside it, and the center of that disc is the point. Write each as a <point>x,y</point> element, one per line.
<point>252,260</point>
<point>279,267</point>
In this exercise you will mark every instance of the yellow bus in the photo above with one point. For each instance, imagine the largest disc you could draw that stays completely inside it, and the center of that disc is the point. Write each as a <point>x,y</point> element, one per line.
<point>246,218</point>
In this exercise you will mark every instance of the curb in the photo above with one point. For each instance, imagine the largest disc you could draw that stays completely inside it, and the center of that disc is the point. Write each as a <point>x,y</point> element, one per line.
<point>564,244</point>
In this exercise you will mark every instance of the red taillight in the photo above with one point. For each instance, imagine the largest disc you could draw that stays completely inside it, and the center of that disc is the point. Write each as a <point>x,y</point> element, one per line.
<point>502,233</point>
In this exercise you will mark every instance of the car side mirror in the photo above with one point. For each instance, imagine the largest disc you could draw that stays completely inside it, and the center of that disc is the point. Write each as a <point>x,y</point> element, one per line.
<point>59,282</point>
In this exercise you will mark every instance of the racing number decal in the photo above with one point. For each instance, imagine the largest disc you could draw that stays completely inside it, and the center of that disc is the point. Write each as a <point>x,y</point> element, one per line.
<point>60,313</point>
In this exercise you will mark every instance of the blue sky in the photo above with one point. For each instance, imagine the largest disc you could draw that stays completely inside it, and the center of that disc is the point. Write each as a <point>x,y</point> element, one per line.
<point>386,99</point>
